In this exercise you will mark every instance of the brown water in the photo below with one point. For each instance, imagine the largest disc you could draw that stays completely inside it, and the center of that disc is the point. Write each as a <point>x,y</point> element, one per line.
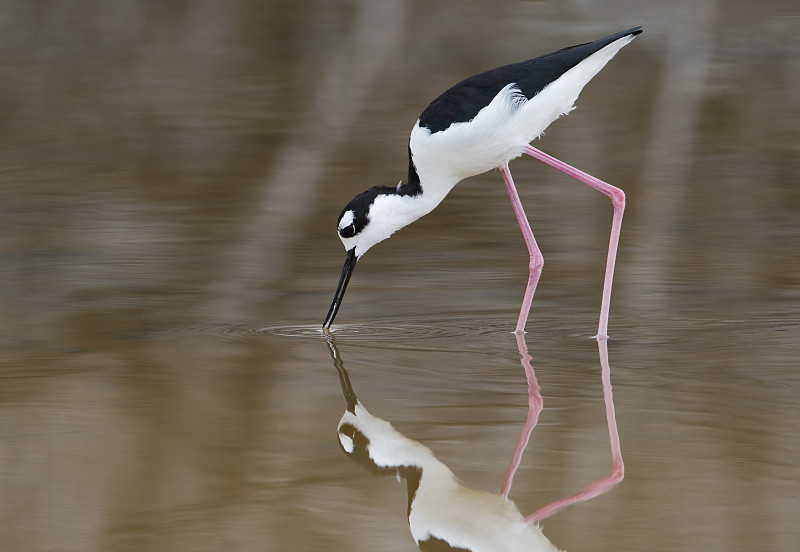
<point>170,178</point>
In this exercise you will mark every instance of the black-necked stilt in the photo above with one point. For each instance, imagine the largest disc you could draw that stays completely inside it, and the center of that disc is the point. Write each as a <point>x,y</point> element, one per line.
<point>480,124</point>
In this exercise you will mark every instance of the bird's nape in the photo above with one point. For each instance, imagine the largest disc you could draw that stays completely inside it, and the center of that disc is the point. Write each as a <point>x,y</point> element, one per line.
<point>347,271</point>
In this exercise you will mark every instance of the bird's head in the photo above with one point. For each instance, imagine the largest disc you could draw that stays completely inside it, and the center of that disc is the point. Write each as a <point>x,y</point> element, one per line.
<point>362,436</point>
<point>369,218</point>
<point>375,444</point>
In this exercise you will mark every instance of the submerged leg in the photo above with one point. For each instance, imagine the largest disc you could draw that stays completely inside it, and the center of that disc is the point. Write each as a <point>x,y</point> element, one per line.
<point>536,260</point>
<point>534,409</point>
<point>618,201</point>
<point>602,485</point>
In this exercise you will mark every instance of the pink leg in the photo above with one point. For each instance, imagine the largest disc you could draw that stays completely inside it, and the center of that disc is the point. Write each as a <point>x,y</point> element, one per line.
<point>618,201</point>
<point>603,484</point>
<point>536,260</point>
<point>534,408</point>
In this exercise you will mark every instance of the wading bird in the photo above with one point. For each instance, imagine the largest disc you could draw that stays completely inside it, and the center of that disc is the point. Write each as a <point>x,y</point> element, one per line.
<point>478,125</point>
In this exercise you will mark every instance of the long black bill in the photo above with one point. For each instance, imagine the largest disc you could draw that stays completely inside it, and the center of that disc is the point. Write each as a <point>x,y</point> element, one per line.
<point>347,271</point>
<point>344,379</point>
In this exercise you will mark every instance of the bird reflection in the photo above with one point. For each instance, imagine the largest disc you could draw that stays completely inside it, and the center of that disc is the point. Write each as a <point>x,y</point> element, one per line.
<point>443,514</point>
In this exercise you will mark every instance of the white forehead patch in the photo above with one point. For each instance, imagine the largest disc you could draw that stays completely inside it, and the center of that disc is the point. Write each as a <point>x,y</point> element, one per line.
<point>347,443</point>
<point>347,219</point>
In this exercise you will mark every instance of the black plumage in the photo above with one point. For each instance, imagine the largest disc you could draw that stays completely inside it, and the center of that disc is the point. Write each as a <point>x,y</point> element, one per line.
<point>462,102</point>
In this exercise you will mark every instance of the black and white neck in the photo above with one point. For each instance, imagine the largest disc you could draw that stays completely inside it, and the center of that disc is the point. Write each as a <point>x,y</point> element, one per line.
<point>375,214</point>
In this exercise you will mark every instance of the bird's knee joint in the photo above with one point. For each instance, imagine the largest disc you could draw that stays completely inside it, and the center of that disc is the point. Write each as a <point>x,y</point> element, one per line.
<point>618,199</point>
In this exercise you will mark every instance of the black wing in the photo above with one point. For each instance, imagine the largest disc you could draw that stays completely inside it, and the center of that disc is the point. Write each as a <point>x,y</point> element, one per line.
<point>462,102</point>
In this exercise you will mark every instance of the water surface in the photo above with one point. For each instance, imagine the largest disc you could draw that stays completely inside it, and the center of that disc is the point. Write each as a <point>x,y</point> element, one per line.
<point>170,179</point>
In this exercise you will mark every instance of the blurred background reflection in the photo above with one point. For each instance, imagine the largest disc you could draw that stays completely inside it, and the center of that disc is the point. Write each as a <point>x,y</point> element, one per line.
<point>170,178</point>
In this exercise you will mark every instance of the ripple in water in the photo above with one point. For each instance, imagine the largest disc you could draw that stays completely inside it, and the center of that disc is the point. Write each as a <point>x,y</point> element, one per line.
<point>393,333</point>
<point>460,333</point>
<point>457,334</point>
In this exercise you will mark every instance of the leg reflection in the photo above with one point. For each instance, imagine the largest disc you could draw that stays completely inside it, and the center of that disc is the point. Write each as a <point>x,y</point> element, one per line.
<point>603,484</point>
<point>534,408</point>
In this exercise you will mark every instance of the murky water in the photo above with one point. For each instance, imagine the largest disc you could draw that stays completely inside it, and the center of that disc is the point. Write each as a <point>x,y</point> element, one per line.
<point>170,179</point>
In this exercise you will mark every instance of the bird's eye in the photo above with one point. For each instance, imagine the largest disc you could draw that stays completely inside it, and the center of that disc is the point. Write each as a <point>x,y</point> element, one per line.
<point>348,231</point>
